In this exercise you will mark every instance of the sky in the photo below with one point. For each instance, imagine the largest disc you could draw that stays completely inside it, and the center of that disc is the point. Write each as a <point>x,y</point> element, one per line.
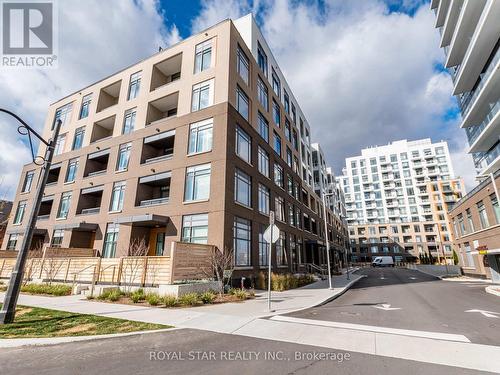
<point>365,72</point>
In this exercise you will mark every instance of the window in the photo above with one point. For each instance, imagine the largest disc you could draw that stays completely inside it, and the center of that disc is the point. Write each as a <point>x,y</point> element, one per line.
<point>496,207</point>
<point>28,181</point>
<point>294,114</point>
<point>64,114</point>
<point>290,185</point>
<point>84,109</point>
<point>57,238</point>
<point>123,156</point>
<point>280,250</point>
<point>264,196</point>
<point>288,131</point>
<point>200,136</point>
<point>263,161</point>
<point>202,96</point>
<point>110,241</point>
<point>278,175</point>
<point>21,208</point>
<point>263,247</point>
<point>61,141</point>
<point>291,216</point>
<point>78,139</point>
<point>195,228</point>
<point>117,196</point>
<point>72,169</point>
<point>197,183</point>
<point>134,85</point>
<point>242,188</point>
<point>263,127</point>
<point>243,65</point>
<point>243,145</point>
<point>289,157</point>
<point>203,56</point>
<point>160,244</point>
<point>482,215</point>
<point>129,121</point>
<point>262,58</point>
<point>12,242</point>
<point>295,141</point>
<point>277,143</point>
<point>242,102</point>
<point>242,234</point>
<point>470,258</point>
<point>276,84</point>
<point>62,213</point>
<point>286,101</point>
<point>469,220</point>
<point>276,113</point>
<point>262,94</point>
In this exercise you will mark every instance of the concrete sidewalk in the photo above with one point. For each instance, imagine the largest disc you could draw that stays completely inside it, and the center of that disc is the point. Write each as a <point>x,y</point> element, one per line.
<point>223,318</point>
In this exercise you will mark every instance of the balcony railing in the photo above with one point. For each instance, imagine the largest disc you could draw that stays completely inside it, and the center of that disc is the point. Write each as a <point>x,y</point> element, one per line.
<point>43,217</point>
<point>483,159</point>
<point>90,211</point>
<point>152,202</point>
<point>473,132</point>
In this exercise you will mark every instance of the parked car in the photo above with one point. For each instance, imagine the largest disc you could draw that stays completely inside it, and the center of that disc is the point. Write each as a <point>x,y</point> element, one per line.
<point>384,261</point>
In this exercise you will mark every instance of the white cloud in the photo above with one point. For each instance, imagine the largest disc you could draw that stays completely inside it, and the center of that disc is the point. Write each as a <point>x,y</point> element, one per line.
<point>95,40</point>
<point>362,75</point>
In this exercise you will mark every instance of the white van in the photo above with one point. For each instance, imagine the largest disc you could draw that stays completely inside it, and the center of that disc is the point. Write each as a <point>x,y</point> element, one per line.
<point>384,261</point>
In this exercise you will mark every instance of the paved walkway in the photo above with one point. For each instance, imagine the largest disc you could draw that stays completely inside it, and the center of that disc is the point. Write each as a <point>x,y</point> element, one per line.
<point>224,318</point>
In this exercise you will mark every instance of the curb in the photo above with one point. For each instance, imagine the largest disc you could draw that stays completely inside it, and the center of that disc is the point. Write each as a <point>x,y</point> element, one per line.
<point>335,296</point>
<point>49,341</point>
<point>490,289</point>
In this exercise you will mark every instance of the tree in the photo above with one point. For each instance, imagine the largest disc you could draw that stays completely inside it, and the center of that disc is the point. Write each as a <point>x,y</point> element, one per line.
<point>35,256</point>
<point>134,262</point>
<point>455,258</point>
<point>221,262</point>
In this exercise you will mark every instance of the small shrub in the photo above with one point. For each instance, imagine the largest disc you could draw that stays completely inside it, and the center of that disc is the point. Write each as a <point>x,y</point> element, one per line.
<point>261,282</point>
<point>189,299</point>
<point>241,294</point>
<point>170,301</point>
<point>153,299</point>
<point>53,289</point>
<point>110,295</point>
<point>207,297</point>
<point>137,296</point>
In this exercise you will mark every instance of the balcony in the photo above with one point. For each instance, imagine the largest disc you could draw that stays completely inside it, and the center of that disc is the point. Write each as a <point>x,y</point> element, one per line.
<point>451,21</point>
<point>166,72</point>
<point>488,162</point>
<point>482,136</point>
<point>103,129</point>
<point>162,108</point>
<point>89,201</point>
<point>109,96</point>
<point>54,172</point>
<point>158,147</point>
<point>153,190</point>
<point>97,163</point>
<point>46,207</point>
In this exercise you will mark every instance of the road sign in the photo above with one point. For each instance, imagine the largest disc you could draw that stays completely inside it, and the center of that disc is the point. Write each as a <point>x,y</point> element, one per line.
<point>275,232</point>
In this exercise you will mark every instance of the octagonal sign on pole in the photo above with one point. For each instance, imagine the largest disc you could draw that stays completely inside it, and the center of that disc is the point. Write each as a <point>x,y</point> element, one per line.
<point>271,235</point>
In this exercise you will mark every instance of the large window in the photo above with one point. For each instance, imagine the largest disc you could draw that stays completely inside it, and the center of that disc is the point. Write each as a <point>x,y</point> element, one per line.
<point>288,131</point>
<point>123,156</point>
<point>12,242</point>
<point>110,240</point>
<point>277,143</point>
<point>21,208</point>
<point>64,114</point>
<point>61,141</point>
<point>242,102</point>
<point>197,183</point>
<point>62,213</point>
<point>278,175</point>
<point>134,86</point>
<point>160,243</point>
<point>276,84</point>
<point>496,207</point>
<point>242,234</point>
<point>202,95</point>
<point>242,188</point>
<point>84,109</point>
<point>203,56</point>
<point>243,145</point>
<point>262,94</point>
<point>28,181</point>
<point>279,208</point>
<point>72,169</point>
<point>286,101</point>
<point>78,139</point>
<point>262,58</point>
<point>281,250</point>
<point>263,127</point>
<point>200,136</point>
<point>117,196</point>
<point>289,157</point>
<point>276,113</point>
<point>264,195</point>
<point>129,121</point>
<point>483,217</point>
<point>195,228</point>
<point>243,65</point>
<point>57,238</point>
<point>263,247</point>
<point>263,161</point>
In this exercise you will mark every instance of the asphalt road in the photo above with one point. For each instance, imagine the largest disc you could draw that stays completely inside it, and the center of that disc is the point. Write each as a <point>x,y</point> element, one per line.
<point>408,299</point>
<point>147,353</point>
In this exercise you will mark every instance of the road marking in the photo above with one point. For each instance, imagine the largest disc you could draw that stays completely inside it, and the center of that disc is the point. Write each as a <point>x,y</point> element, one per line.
<point>488,314</point>
<point>387,307</point>
<point>362,327</point>
<point>413,278</point>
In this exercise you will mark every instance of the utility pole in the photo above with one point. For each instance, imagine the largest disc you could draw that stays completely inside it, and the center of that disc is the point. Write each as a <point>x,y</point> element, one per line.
<point>8,311</point>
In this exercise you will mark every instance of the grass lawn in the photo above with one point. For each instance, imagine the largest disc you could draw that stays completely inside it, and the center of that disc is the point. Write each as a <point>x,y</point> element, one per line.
<point>38,322</point>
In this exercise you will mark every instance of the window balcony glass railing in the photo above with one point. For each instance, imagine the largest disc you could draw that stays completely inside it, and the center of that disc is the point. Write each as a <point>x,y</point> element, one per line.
<point>470,98</point>
<point>473,132</point>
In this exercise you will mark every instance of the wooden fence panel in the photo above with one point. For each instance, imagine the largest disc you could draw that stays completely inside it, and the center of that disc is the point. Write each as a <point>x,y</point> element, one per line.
<point>191,261</point>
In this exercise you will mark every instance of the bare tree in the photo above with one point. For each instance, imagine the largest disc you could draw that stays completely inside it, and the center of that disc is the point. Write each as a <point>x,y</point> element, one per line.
<point>134,263</point>
<point>51,267</point>
<point>35,261</point>
<point>221,266</point>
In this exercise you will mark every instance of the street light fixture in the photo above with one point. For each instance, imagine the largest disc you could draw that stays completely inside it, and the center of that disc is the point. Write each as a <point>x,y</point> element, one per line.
<point>8,310</point>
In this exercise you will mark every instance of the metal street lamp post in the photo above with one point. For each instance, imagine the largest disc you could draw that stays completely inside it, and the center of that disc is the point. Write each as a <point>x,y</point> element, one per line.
<point>9,305</point>
<point>327,241</point>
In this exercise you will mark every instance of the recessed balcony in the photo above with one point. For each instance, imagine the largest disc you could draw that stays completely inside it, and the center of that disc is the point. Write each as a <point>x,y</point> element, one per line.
<point>45,208</point>
<point>103,129</point>
<point>109,96</point>
<point>89,201</point>
<point>153,190</point>
<point>54,172</point>
<point>166,72</point>
<point>158,147</point>
<point>162,108</point>
<point>97,163</point>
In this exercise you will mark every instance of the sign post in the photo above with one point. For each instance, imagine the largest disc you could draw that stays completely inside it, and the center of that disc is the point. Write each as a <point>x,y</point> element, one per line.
<point>271,235</point>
